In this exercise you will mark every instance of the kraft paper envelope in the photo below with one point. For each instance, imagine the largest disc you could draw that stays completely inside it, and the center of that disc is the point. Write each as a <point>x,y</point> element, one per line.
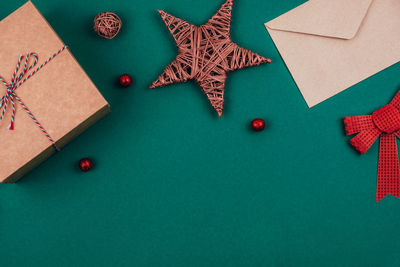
<point>330,45</point>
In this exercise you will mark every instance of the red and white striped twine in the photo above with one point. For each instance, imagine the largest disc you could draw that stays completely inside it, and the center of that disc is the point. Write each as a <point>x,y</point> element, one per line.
<point>17,80</point>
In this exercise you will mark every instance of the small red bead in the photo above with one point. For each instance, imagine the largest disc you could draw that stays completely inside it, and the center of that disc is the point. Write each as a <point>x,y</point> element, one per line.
<point>85,164</point>
<point>125,80</point>
<point>258,125</point>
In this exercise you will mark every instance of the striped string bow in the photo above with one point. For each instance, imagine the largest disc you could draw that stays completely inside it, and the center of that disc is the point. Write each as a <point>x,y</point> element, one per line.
<point>385,122</point>
<point>18,78</point>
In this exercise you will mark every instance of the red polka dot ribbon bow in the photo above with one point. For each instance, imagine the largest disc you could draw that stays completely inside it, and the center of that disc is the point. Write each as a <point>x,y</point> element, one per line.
<point>18,78</point>
<point>385,122</point>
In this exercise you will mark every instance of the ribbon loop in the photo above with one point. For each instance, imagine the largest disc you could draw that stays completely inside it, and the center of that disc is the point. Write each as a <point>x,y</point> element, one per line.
<point>387,119</point>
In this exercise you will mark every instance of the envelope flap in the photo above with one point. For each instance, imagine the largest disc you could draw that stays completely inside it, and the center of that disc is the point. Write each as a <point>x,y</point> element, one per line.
<point>330,18</point>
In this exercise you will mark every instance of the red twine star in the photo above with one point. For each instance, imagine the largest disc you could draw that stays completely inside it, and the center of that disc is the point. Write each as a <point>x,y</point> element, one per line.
<point>206,54</point>
<point>385,122</point>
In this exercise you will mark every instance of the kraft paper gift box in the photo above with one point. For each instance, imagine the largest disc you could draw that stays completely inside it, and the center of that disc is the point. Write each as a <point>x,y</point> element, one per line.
<point>59,95</point>
<point>330,45</point>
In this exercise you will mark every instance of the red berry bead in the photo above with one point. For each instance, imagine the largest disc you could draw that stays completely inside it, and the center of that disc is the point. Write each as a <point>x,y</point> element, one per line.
<point>125,80</point>
<point>258,125</point>
<point>85,164</point>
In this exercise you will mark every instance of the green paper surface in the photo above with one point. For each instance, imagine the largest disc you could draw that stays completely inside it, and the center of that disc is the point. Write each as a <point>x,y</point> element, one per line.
<point>174,185</point>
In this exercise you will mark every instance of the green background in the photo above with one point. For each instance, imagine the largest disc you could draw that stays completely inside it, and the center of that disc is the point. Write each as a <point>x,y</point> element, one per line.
<point>174,185</point>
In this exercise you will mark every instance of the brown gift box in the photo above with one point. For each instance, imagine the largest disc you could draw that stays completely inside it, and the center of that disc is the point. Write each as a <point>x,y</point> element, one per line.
<point>60,95</point>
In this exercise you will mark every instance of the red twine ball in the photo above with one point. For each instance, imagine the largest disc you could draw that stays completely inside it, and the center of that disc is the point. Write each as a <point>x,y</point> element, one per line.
<point>85,164</point>
<point>258,125</point>
<point>125,80</point>
<point>107,24</point>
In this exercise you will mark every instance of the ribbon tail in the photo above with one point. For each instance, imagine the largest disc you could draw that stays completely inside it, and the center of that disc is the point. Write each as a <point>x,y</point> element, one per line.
<point>3,112</point>
<point>364,140</point>
<point>388,181</point>
<point>356,124</point>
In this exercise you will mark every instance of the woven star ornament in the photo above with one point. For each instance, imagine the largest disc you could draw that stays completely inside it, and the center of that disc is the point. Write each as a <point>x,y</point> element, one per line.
<point>206,54</point>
